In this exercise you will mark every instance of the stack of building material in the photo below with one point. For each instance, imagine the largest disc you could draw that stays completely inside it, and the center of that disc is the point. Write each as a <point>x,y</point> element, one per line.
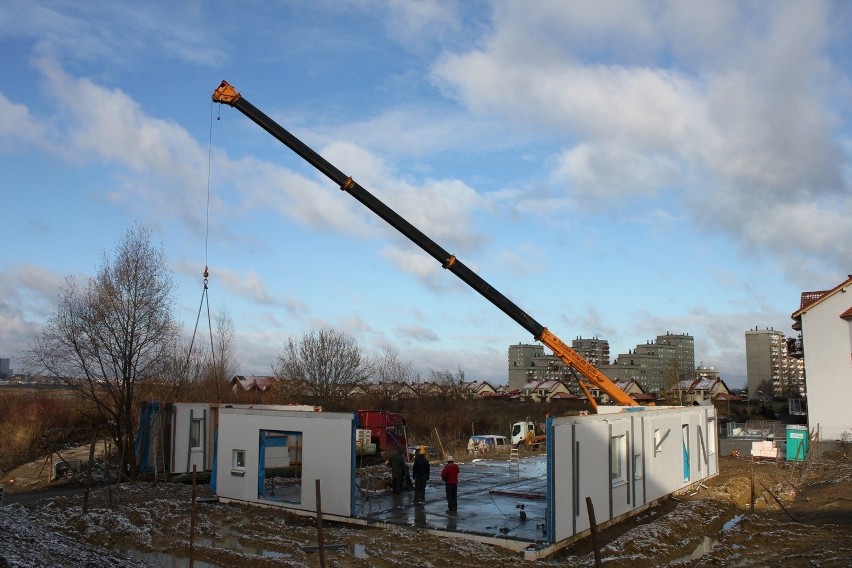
<point>764,450</point>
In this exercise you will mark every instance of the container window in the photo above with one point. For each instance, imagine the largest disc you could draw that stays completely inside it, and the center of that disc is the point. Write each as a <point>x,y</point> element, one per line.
<point>195,434</point>
<point>618,460</point>
<point>238,462</point>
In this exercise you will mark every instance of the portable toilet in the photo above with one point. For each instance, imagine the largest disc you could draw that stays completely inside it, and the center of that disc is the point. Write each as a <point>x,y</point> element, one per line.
<point>797,442</point>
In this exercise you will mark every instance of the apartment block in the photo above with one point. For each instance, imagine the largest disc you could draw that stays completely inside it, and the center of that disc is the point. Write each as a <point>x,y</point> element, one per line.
<point>772,371</point>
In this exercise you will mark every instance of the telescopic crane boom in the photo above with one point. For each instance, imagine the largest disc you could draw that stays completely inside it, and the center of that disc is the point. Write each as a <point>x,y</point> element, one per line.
<point>226,94</point>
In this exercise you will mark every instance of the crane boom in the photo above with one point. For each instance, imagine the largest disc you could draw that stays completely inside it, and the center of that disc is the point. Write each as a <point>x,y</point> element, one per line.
<point>226,94</point>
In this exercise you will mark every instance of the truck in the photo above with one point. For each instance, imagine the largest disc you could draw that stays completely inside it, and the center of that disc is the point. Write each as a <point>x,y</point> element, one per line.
<point>381,431</point>
<point>226,94</point>
<point>527,433</point>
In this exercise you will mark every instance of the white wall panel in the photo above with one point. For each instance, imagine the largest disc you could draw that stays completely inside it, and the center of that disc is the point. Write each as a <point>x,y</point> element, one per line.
<point>652,462</point>
<point>183,457</point>
<point>327,455</point>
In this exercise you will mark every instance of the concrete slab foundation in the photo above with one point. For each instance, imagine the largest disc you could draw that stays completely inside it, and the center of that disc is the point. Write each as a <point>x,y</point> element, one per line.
<point>492,502</point>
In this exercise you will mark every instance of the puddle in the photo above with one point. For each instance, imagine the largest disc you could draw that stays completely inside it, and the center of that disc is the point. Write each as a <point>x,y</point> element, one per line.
<point>226,542</point>
<point>732,523</point>
<point>168,560</point>
<point>231,542</point>
<point>359,551</point>
<point>163,559</point>
<point>703,548</point>
<point>707,544</point>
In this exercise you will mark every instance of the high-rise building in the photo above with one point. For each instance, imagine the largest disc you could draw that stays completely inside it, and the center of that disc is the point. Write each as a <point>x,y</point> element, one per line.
<point>5,371</point>
<point>772,372</point>
<point>530,363</point>
<point>594,350</point>
<point>656,365</point>
<point>521,365</point>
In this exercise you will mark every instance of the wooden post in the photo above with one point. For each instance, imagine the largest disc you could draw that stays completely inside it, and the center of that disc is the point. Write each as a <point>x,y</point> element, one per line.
<point>320,538</point>
<point>780,504</point>
<point>192,516</point>
<point>751,499</point>
<point>120,467</point>
<point>440,445</point>
<point>593,527</point>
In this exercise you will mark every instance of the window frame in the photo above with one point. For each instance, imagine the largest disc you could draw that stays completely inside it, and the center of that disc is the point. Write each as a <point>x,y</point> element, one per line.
<point>195,442</point>
<point>238,462</point>
<point>618,460</point>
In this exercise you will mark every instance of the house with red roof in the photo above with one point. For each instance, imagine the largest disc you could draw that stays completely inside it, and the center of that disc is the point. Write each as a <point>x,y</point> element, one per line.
<point>824,319</point>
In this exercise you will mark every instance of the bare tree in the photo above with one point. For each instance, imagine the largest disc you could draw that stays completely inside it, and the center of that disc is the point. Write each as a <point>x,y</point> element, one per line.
<point>113,336</point>
<point>326,364</point>
<point>202,367</point>
<point>221,362</point>
<point>389,367</point>
<point>451,383</point>
<point>673,391</point>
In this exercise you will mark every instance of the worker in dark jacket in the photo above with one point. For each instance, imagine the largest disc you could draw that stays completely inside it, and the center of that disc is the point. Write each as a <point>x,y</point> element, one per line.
<point>420,471</point>
<point>398,470</point>
<point>450,475</point>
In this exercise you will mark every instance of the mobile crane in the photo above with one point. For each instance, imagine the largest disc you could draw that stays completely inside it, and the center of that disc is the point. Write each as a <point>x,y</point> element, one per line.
<point>227,95</point>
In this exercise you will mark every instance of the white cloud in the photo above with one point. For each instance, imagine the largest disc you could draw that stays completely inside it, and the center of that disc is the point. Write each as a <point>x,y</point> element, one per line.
<point>111,32</point>
<point>17,127</point>
<point>597,174</point>
<point>417,333</point>
<point>415,24</point>
<point>740,128</point>
<point>440,208</point>
<point>27,298</point>
<point>159,162</point>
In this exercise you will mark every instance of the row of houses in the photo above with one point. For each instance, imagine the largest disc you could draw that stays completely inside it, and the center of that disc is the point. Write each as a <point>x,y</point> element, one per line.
<point>685,392</point>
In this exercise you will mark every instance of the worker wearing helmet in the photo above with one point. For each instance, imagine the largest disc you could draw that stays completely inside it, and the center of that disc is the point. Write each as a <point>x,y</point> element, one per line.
<point>420,471</point>
<point>450,475</point>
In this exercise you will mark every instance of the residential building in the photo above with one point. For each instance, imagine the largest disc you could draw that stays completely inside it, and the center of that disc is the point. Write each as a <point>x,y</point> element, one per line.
<point>657,364</point>
<point>702,372</point>
<point>631,387</point>
<point>594,350</point>
<point>251,383</point>
<point>521,364</point>
<point>772,371</point>
<point>528,363</point>
<point>543,391</point>
<point>699,390</point>
<point>390,390</point>
<point>479,389</point>
<point>430,388</point>
<point>825,321</point>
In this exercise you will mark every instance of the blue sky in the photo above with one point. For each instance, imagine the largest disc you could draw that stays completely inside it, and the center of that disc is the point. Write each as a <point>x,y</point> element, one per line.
<point>618,169</point>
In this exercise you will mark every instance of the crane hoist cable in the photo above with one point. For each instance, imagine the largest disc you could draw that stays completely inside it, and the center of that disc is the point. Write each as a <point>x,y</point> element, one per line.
<point>205,298</point>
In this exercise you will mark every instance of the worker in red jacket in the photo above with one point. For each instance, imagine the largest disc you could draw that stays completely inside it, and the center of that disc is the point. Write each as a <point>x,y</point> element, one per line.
<point>450,475</point>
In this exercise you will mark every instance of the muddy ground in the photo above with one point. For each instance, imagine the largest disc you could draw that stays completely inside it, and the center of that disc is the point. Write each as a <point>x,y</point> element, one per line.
<point>140,524</point>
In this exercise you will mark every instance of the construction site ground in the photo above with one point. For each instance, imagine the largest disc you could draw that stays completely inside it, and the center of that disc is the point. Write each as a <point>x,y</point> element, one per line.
<point>139,524</point>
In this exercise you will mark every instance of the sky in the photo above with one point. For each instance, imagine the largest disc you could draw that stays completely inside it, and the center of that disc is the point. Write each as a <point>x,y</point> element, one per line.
<point>619,170</point>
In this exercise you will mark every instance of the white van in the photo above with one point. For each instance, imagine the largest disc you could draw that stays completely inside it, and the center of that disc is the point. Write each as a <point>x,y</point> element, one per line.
<point>487,443</point>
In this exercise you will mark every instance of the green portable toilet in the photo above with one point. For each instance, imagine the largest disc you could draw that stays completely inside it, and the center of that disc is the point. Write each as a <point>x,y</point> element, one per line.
<point>797,442</point>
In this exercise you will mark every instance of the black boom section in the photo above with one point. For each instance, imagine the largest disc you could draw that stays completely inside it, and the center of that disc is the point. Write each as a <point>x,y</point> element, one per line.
<point>378,207</point>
